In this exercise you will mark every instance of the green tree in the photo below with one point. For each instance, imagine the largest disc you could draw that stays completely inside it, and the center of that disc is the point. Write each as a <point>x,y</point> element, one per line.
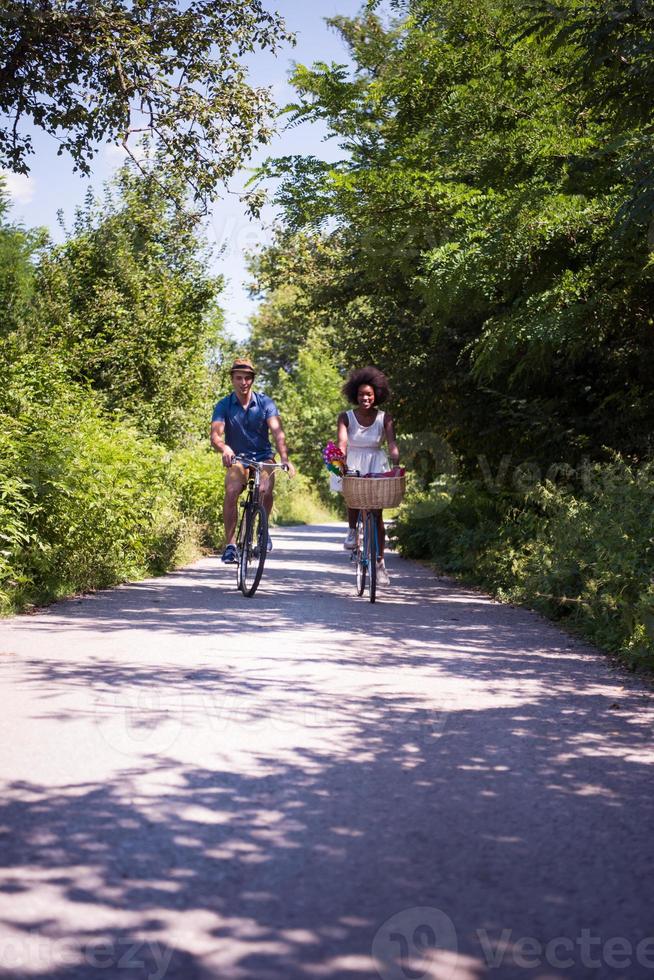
<point>289,279</point>
<point>129,300</point>
<point>87,498</point>
<point>309,401</point>
<point>92,71</point>
<point>479,225</point>
<point>19,248</point>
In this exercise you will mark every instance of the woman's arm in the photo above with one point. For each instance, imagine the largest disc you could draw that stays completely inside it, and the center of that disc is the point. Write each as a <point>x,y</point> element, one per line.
<point>393,449</point>
<point>341,436</point>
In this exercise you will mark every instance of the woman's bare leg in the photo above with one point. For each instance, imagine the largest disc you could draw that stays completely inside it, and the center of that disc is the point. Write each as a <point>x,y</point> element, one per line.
<point>381,533</point>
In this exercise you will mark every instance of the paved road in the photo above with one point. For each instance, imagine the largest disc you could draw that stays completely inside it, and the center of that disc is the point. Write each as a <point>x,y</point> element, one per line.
<point>302,785</point>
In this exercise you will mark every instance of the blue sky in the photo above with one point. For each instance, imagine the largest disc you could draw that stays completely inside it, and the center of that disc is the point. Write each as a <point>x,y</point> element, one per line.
<point>53,186</point>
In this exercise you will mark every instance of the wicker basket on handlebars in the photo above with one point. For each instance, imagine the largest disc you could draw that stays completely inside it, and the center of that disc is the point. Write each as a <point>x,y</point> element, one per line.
<point>370,493</point>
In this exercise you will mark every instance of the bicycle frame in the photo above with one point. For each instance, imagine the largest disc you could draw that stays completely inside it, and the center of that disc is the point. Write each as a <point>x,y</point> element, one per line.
<point>251,547</point>
<point>251,492</point>
<point>366,553</point>
<point>252,495</point>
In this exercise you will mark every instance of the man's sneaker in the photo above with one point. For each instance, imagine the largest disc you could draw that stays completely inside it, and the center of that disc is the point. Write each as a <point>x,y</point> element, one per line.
<point>230,555</point>
<point>350,542</point>
<point>255,550</point>
<point>382,574</point>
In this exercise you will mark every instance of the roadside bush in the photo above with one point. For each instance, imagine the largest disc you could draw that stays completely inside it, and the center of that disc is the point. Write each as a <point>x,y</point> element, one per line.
<point>198,475</point>
<point>110,346</point>
<point>451,528</point>
<point>15,506</point>
<point>584,557</point>
<point>86,501</point>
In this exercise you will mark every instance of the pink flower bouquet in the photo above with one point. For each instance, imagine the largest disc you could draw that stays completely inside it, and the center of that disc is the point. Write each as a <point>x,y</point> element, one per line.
<point>334,459</point>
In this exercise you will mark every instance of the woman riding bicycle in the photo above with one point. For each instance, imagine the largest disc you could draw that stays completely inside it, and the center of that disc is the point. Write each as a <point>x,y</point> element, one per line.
<point>361,432</point>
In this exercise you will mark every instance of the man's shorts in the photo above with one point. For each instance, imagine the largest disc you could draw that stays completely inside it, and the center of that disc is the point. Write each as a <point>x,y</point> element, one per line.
<point>238,474</point>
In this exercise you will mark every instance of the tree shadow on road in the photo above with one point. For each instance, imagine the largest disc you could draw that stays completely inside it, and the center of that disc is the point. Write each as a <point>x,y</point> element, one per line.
<point>451,754</point>
<point>501,818</point>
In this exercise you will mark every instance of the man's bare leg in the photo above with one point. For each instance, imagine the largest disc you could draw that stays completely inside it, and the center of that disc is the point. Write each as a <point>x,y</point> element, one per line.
<point>234,486</point>
<point>267,491</point>
<point>267,488</point>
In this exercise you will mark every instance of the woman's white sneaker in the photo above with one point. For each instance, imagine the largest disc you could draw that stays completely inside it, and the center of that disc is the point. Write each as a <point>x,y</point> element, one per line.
<point>351,539</point>
<point>382,575</point>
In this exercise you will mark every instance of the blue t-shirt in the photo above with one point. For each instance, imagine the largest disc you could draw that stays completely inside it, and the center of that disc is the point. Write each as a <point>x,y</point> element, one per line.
<point>246,429</point>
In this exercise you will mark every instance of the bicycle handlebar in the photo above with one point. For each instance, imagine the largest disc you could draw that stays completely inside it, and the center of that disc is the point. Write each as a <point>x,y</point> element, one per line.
<point>257,465</point>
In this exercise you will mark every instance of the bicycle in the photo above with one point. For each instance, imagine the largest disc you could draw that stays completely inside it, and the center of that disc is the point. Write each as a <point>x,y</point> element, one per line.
<point>252,533</point>
<point>369,497</point>
<point>366,553</point>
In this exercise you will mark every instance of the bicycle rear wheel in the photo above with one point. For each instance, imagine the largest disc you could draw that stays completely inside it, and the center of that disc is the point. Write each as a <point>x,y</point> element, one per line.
<point>253,552</point>
<point>360,556</point>
<point>371,556</point>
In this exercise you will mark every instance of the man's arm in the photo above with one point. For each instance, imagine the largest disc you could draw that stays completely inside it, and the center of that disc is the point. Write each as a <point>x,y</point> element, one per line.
<point>275,426</point>
<point>219,444</point>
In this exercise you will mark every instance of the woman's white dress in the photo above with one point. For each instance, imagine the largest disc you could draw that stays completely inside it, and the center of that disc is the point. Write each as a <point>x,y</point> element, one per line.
<point>364,452</point>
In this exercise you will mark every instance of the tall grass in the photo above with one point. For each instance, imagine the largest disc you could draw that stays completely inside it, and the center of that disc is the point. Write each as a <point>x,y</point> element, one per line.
<point>297,501</point>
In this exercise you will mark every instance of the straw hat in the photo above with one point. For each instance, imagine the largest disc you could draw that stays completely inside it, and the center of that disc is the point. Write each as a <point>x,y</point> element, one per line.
<point>242,364</point>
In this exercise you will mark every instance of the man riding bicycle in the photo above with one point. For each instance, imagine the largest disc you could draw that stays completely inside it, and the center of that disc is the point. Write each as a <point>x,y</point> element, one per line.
<point>241,425</point>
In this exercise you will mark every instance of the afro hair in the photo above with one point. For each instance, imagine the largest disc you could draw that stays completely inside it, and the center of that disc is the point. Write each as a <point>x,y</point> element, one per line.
<point>367,376</point>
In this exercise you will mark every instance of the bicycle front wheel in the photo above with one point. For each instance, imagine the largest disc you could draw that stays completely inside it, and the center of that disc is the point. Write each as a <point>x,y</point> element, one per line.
<point>360,557</point>
<point>240,545</point>
<point>253,552</point>
<point>371,555</point>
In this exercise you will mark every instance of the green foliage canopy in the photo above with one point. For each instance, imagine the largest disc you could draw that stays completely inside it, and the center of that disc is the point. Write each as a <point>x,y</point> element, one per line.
<point>19,249</point>
<point>288,278</point>
<point>94,486</point>
<point>92,71</point>
<point>129,300</point>
<point>486,235</point>
<point>309,401</point>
